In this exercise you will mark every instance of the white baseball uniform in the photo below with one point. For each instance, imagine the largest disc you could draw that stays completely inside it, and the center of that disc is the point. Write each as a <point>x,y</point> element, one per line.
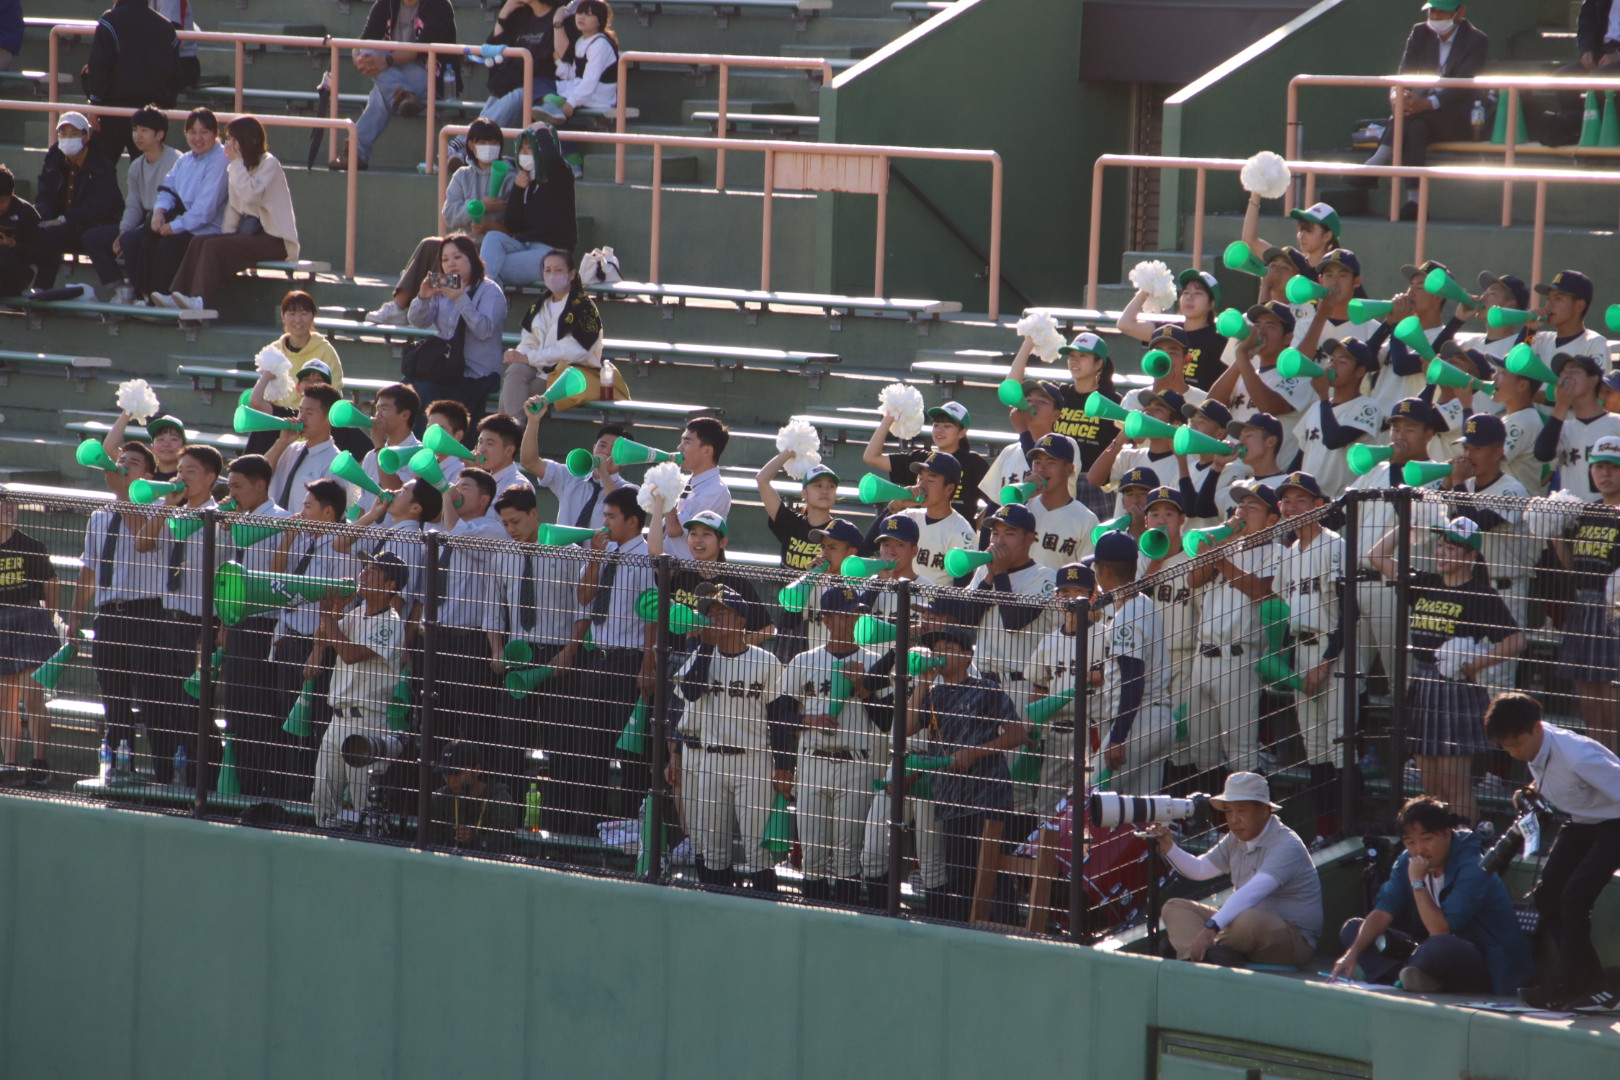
<point>1133,629</point>
<point>1011,625</point>
<point>934,539</point>
<point>1065,532</point>
<point>359,694</point>
<point>1297,392</point>
<point>1178,612</point>
<point>1308,579</point>
<point>1575,442</point>
<point>1223,713</point>
<point>1332,467</point>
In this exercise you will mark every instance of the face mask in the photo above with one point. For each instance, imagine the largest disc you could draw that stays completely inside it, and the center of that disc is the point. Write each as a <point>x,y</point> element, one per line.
<point>487,152</point>
<point>71,147</point>
<point>526,162</point>
<point>557,283</point>
<point>1442,27</point>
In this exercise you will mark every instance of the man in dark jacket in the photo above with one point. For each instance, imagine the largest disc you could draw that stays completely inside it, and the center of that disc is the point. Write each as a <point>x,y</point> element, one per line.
<point>1597,41</point>
<point>134,60</point>
<point>78,190</point>
<point>1444,44</point>
<point>399,76</point>
<point>19,221</point>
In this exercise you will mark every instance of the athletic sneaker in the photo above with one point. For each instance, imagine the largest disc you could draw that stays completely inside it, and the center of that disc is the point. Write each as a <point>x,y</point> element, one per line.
<point>1224,955</point>
<point>1419,981</point>
<point>188,303</point>
<point>162,301</point>
<point>1597,1001</point>
<point>390,314</point>
<point>1544,997</point>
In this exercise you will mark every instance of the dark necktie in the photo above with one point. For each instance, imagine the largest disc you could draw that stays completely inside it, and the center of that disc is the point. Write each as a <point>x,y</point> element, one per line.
<point>298,463</point>
<point>584,519</point>
<point>303,564</point>
<point>599,603</point>
<point>526,594</point>
<point>177,561</point>
<point>109,551</point>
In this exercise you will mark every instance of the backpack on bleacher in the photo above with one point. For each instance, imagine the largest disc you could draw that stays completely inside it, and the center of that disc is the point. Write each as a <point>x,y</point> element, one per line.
<point>600,267</point>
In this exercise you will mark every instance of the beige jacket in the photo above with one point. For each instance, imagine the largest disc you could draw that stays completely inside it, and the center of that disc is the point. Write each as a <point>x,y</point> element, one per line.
<point>262,192</point>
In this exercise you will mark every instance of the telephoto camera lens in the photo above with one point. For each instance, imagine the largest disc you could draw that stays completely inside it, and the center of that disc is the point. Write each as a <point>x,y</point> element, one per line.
<point>1504,851</point>
<point>1108,809</point>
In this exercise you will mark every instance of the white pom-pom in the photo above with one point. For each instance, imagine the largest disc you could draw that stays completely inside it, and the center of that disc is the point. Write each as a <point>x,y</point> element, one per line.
<point>283,388</point>
<point>136,398</point>
<point>664,479</point>
<point>903,404</point>
<point>1266,174</point>
<point>1155,279</point>
<point>1042,331</point>
<point>800,465</point>
<point>799,439</point>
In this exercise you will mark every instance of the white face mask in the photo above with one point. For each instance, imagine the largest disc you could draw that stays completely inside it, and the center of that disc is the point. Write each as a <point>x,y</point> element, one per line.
<point>526,162</point>
<point>557,283</point>
<point>1444,26</point>
<point>487,152</point>
<point>71,146</point>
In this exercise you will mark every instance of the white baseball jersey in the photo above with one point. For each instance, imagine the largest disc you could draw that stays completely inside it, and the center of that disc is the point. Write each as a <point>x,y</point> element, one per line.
<point>1225,501</point>
<point>730,711</point>
<point>1308,579</point>
<point>1377,516</point>
<point>369,683</point>
<point>1225,615</point>
<point>1140,457</point>
<point>1008,635</point>
<point>809,678</point>
<point>934,539</point>
<point>1519,449</point>
<point>1497,350</point>
<point>1510,552</point>
<point>1586,343</point>
<point>1064,533</point>
<point>1335,328</point>
<point>1575,444</point>
<point>1299,393</point>
<point>1389,388</point>
<point>1178,603</point>
<point>1332,467</point>
<point>1134,629</point>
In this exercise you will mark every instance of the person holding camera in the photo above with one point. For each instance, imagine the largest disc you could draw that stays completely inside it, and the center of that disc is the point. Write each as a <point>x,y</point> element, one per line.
<point>467,311</point>
<point>1581,778</point>
<point>1274,914</point>
<point>473,811</point>
<point>1442,922</point>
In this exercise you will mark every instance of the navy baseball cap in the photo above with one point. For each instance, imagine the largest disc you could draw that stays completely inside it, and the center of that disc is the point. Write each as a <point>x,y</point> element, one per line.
<point>1204,278</point>
<point>1357,349</point>
<point>1264,492</point>
<point>1115,546</point>
<point>1046,388</point>
<point>842,598</point>
<point>391,564</point>
<point>1573,282</point>
<point>1264,421</point>
<point>899,527</point>
<point>1478,360</point>
<point>1141,476</point>
<point>816,472</point>
<point>1304,481</point>
<point>1340,257</point>
<point>1166,332</point>
<point>1483,429</point>
<point>1612,380</point>
<point>1516,286</point>
<point>1015,515</point>
<point>940,462</point>
<point>1171,400</point>
<point>1210,409</point>
<point>730,599</point>
<point>964,636</point>
<point>844,532</point>
<point>1076,576</point>
<point>1408,271</point>
<point>1418,411</point>
<point>953,608</point>
<point>1299,260</point>
<point>1588,362</point>
<point>1054,445</point>
<point>1276,308</point>
<point>1166,494</point>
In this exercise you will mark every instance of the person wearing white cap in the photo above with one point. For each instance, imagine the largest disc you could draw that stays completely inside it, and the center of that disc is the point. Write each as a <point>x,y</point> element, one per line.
<point>949,435</point>
<point>1274,914</point>
<point>1316,230</point>
<point>1199,296</point>
<point>77,191</point>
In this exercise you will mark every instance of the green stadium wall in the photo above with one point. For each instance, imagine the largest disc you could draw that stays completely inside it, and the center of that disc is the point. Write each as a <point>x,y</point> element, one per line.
<point>138,945</point>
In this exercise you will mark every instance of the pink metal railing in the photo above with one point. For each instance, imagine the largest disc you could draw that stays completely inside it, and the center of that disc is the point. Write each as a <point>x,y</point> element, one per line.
<point>835,157</point>
<point>1310,170</point>
<point>725,63</point>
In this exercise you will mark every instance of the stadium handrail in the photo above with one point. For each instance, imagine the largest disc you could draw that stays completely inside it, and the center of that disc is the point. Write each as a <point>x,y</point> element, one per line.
<point>336,124</point>
<point>1293,133</point>
<point>725,63</point>
<point>239,43</point>
<point>1311,169</point>
<point>794,166</point>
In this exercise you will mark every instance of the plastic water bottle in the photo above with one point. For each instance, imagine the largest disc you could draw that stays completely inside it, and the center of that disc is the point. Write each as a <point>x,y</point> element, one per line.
<point>532,803</point>
<point>104,757</point>
<point>180,767</point>
<point>121,764</point>
<point>1476,120</point>
<point>447,81</point>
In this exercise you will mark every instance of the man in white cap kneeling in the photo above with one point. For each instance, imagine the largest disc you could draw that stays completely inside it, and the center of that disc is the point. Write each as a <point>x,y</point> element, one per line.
<point>1274,914</point>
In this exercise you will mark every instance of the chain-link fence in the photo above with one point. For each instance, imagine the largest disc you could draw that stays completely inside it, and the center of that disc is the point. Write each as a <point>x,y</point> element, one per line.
<point>504,687</point>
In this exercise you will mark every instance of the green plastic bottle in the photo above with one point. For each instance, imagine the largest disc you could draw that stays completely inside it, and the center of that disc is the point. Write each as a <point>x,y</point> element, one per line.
<point>531,807</point>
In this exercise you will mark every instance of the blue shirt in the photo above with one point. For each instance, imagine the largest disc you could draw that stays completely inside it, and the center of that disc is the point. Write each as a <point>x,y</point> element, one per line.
<point>200,185</point>
<point>483,308</point>
<point>1476,906</point>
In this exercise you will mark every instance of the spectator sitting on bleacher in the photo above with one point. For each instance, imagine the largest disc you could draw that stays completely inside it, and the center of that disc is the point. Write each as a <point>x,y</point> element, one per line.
<point>1447,45</point>
<point>18,223</point>
<point>468,184</point>
<point>190,203</point>
<point>468,306</point>
<point>540,215</point>
<point>77,191</point>
<point>134,59</point>
<point>473,811</point>
<point>561,330</point>
<point>399,76</point>
<point>259,224</point>
<point>1597,41</point>
<point>589,66</point>
<point>1199,297</point>
<point>520,24</point>
<point>153,161</point>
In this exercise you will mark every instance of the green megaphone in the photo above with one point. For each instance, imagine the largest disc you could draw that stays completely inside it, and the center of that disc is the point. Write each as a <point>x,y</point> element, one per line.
<point>1240,257</point>
<point>857,567</point>
<point>626,452</point>
<point>1409,332</point>
<point>182,527</point>
<point>570,382</point>
<point>475,210</point>
<point>1498,317</point>
<point>1364,458</point>
<point>1189,440</point>
<point>1233,324</point>
<point>1139,425</point>
<point>425,464</point>
<point>240,592</point>
<point>562,535</point>
<point>1276,671</point>
<point>794,596</point>
<point>50,672</point>
<point>522,683</point>
<point>1156,363</point>
<point>1274,614</point>
<point>872,631</point>
<point>498,172</point>
<point>193,685</point>
<point>874,489</point>
<point>778,835</point>
<point>633,740</point>
<point>581,463</point>
<point>1292,364</point>
<point>298,719</point>
<point>150,491</point>
<point>1523,362</point>
<point>922,661</point>
<point>1019,493</point>
<point>960,562</point>
<point>399,705</point>
<point>518,653</point>
<point>391,459</point>
<point>1119,524</point>
<point>1203,538</point>
<point>1154,543</point>
<point>244,535</point>
<point>441,442</point>
<point>1440,283</point>
<point>1611,318</point>
<point>247,421</point>
<point>1440,373</point>
<point>346,415</point>
<point>1418,473</point>
<point>1105,407</point>
<point>1039,712</point>
<point>839,693</point>
<point>1011,394</point>
<point>682,617</point>
<point>1369,310</point>
<point>1302,290</point>
<point>92,455</point>
<point>228,783</point>
<point>345,468</point>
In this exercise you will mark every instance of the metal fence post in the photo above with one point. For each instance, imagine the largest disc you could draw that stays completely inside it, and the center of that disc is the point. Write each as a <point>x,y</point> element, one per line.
<point>1350,778</point>
<point>658,791</point>
<point>1079,798</point>
<point>206,636</point>
<point>897,733</point>
<point>1397,679</point>
<point>430,692</point>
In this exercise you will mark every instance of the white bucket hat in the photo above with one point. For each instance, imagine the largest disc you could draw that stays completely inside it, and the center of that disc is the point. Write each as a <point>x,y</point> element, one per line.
<point>1244,787</point>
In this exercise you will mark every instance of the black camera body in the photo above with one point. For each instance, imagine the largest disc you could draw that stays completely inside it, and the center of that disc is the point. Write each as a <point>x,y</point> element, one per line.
<point>1511,846</point>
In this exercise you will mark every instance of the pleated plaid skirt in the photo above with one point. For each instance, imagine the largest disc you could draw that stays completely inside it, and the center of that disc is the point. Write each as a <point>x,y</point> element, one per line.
<point>1590,651</point>
<point>1444,717</point>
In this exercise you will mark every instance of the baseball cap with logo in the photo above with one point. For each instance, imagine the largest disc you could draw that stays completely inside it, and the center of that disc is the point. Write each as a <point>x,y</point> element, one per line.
<point>1204,278</point>
<point>1357,349</point>
<point>1319,213</point>
<point>1115,546</point>
<point>1516,286</point>
<point>319,367</point>
<point>1304,481</point>
<point>730,599</point>
<point>1408,271</point>
<point>954,609</point>
<point>1166,495</point>
<point>899,527</point>
<point>1605,451</point>
<point>1086,342</point>
<point>1479,361</point>
<point>1461,531</point>
<point>1141,476</point>
<point>1264,492</point>
<point>1340,257</point>
<point>1590,363</point>
<point>1170,399</point>
<point>1296,258</point>
<point>1054,445</point>
<point>1573,282</point>
<point>1045,387</point>
<point>1019,517</point>
<point>842,598</point>
<point>1076,576</point>
<point>842,531</point>
<point>954,411</point>
<point>389,563</point>
<point>709,520</point>
<point>1276,309</point>
<point>940,462</point>
<point>816,472</point>
<point>1264,421</point>
<point>1176,335</point>
<point>1420,412</point>
<point>1210,409</point>
<point>159,423</point>
<point>1483,429</point>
